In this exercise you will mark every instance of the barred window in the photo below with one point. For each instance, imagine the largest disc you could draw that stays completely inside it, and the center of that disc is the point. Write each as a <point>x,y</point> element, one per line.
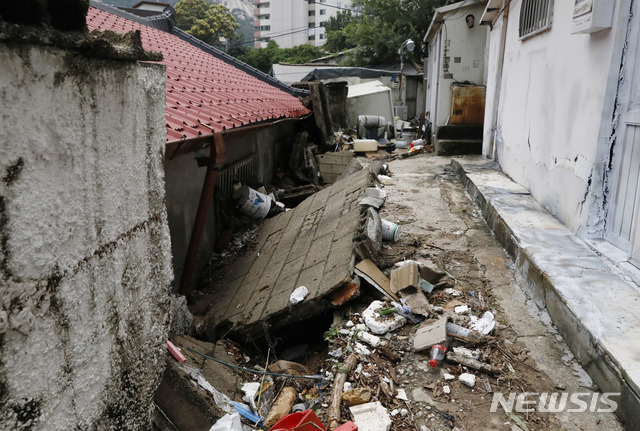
<point>535,17</point>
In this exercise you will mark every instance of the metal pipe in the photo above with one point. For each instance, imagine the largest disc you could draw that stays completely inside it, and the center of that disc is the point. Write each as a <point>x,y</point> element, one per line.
<point>217,156</point>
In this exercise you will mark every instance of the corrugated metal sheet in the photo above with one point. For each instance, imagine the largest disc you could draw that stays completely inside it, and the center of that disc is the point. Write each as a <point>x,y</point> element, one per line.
<point>204,94</point>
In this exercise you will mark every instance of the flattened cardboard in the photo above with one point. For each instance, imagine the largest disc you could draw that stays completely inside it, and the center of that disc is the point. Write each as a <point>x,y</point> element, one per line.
<point>370,272</point>
<point>430,333</point>
<point>404,276</point>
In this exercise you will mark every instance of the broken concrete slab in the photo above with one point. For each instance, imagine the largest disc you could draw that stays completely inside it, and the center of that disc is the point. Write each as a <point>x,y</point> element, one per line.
<point>332,165</point>
<point>311,245</point>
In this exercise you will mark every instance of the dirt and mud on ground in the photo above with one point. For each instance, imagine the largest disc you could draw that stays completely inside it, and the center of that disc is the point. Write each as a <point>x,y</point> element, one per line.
<point>438,223</point>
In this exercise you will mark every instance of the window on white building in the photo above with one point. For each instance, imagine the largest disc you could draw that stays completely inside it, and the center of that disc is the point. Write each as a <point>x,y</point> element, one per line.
<point>323,11</point>
<point>312,13</point>
<point>263,5</point>
<point>535,17</point>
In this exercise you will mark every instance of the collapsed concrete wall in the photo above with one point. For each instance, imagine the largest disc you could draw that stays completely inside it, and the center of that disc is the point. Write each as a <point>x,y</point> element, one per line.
<point>85,254</point>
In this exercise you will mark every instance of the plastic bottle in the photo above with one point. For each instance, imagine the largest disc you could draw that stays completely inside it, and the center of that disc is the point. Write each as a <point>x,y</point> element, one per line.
<point>437,354</point>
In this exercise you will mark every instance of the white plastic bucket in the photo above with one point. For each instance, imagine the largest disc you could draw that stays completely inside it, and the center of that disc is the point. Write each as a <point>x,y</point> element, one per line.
<point>390,231</point>
<point>255,204</point>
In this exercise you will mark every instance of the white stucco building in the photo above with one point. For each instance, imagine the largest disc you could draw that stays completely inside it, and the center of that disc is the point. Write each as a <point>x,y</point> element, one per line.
<point>563,112</point>
<point>293,22</point>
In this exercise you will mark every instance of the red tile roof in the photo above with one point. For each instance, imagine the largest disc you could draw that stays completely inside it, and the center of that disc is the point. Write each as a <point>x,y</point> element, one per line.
<point>204,94</point>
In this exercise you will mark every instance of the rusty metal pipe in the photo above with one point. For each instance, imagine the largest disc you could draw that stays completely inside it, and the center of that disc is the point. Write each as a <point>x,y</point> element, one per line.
<point>217,157</point>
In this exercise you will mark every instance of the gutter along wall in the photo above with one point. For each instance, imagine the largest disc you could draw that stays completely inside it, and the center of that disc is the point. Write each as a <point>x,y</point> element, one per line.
<point>555,113</point>
<point>85,266</point>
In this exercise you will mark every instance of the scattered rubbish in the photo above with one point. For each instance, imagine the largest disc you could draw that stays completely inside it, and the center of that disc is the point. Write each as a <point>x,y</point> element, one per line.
<point>390,231</point>
<point>228,422</point>
<point>347,426</point>
<point>365,145</point>
<point>404,276</point>
<point>452,292</point>
<point>472,363</point>
<point>175,352</point>
<point>220,399</point>
<point>371,416</point>
<point>356,396</point>
<point>402,395</point>
<point>437,354</point>
<point>446,389</point>
<point>370,272</point>
<point>425,286</point>
<point>386,180</point>
<point>287,367</point>
<point>361,349</point>
<point>467,353</point>
<point>251,202</point>
<point>349,324</point>
<point>462,309</point>
<point>306,420</point>
<point>333,412</point>
<point>381,324</point>
<point>298,408</point>
<point>430,333</point>
<point>468,379</point>
<point>462,333</point>
<point>250,391</point>
<point>388,354</point>
<point>448,377</point>
<point>298,295</point>
<point>485,324</point>
<point>402,144</point>
<point>336,353</point>
<point>246,413</point>
<point>370,339</point>
<point>405,311</point>
<point>281,406</point>
<point>487,386</point>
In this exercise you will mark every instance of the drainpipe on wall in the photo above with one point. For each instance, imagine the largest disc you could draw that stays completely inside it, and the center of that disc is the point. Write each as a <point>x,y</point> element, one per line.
<point>489,149</point>
<point>217,156</point>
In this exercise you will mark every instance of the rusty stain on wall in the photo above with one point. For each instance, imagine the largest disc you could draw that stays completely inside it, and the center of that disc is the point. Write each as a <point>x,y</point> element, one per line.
<point>467,104</point>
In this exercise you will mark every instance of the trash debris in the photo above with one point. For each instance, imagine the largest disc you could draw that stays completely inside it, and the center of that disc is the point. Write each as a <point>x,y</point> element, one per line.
<point>347,426</point>
<point>438,353</point>
<point>386,180</point>
<point>404,276</point>
<point>333,412</point>
<point>371,416</point>
<point>298,295</point>
<point>472,363</point>
<point>402,395</point>
<point>175,352</point>
<point>356,396</point>
<point>462,333</point>
<point>365,145</point>
<point>306,420</point>
<point>370,339</point>
<point>467,353</point>
<point>252,203</point>
<point>246,413</point>
<point>250,391</point>
<point>281,406</point>
<point>461,309</point>
<point>448,377</point>
<point>446,389</point>
<point>452,292</point>
<point>370,272</point>
<point>485,324</point>
<point>381,324</point>
<point>345,293</point>
<point>430,333</point>
<point>468,379</point>
<point>228,422</point>
<point>390,231</point>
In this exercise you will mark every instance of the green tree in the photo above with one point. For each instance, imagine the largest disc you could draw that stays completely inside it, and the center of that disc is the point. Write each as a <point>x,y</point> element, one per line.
<point>377,33</point>
<point>264,58</point>
<point>334,28</point>
<point>207,21</point>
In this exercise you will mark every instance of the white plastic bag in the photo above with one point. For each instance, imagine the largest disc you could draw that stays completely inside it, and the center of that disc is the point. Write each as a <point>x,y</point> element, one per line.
<point>228,422</point>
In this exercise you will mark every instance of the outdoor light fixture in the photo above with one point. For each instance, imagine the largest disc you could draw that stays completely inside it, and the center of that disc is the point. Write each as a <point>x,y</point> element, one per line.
<point>410,45</point>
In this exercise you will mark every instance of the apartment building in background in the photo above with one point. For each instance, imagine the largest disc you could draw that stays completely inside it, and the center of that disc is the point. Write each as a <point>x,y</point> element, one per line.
<point>293,22</point>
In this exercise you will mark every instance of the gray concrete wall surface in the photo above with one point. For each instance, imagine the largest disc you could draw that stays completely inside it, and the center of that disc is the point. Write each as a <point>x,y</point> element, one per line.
<point>85,262</point>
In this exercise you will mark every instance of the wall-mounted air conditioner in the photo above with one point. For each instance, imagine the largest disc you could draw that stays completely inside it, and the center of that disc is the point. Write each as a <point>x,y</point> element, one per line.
<point>590,16</point>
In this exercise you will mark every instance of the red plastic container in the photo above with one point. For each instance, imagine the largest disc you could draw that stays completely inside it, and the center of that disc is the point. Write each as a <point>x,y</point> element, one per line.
<point>300,421</point>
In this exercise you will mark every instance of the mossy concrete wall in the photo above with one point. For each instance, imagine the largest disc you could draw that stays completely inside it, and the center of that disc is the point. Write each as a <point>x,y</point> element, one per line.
<point>85,261</point>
